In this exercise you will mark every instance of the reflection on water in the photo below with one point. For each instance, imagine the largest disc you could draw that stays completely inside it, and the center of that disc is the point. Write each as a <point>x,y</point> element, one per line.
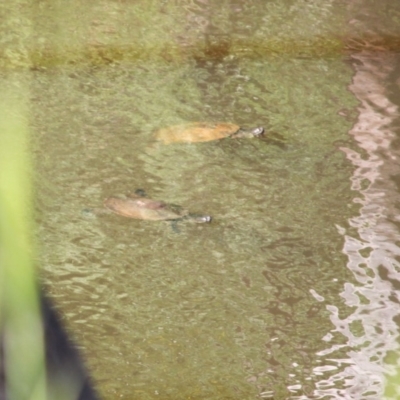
<point>259,302</point>
<point>371,329</point>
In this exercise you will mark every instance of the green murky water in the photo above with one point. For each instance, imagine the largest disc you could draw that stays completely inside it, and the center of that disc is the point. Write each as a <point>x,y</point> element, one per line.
<point>227,310</point>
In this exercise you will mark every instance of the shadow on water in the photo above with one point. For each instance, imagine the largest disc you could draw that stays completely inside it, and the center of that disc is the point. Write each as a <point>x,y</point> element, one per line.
<point>245,306</point>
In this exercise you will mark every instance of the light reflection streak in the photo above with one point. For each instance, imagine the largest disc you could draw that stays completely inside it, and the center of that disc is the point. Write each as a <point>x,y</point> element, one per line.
<point>370,329</point>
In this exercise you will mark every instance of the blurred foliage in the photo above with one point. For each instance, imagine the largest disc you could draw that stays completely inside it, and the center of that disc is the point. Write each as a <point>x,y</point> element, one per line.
<point>20,320</point>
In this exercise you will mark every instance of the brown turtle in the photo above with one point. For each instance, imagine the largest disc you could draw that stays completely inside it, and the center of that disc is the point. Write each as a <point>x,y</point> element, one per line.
<point>204,132</point>
<point>136,205</point>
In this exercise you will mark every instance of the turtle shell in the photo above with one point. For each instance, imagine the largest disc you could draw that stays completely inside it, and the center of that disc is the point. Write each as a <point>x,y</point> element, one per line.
<point>196,132</point>
<point>143,208</point>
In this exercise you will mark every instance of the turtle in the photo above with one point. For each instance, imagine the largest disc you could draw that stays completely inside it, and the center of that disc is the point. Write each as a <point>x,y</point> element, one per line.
<point>138,206</point>
<point>204,132</point>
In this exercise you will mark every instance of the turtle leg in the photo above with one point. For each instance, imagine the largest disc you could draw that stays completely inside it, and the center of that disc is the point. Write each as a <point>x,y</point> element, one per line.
<point>174,225</point>
<point>140,192</point>
<point>93,212</point>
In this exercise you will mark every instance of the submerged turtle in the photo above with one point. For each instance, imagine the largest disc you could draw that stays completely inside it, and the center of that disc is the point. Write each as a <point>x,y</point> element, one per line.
<point>204,132</point>
<point>137,205</point>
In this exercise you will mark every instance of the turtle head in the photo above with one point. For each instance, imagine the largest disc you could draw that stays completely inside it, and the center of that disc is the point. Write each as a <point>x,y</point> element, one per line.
<point>249,133</point>
<point>200,219</point>
<point>257,132</point>
<point>204,218</point>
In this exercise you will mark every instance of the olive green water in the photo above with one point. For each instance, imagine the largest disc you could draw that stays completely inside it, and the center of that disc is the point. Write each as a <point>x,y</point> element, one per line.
<point>237,309</point>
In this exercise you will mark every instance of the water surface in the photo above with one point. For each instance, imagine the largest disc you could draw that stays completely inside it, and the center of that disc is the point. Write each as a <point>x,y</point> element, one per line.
<point>277,297</point>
